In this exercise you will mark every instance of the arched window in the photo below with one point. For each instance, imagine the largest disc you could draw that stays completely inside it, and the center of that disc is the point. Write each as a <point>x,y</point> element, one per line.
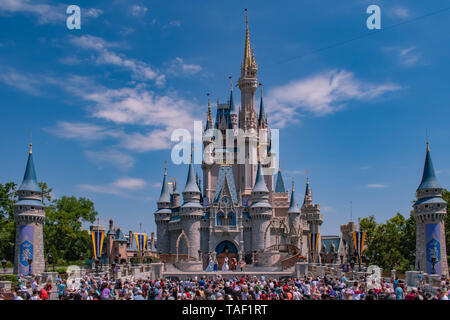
<point>219,218</point>
<point>232,217</point>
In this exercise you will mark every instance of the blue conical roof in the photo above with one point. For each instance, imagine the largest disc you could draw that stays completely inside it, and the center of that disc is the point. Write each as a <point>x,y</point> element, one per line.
<point>165,192</point>
<point>29,182</point>
<point>293,208</point>
<point>261,111</point>
<point>260,184</point>
<point>279,186</point>
<point>231,102</point>
<point>429,180</point>
<point>191,185</point>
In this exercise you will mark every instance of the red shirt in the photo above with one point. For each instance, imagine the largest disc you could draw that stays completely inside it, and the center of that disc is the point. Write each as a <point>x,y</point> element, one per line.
<point>44,294</point>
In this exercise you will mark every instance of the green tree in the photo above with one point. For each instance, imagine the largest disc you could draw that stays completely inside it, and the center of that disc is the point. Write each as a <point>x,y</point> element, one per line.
<point>63,233</point>
<point>369,225</point>
<point>8,196</point>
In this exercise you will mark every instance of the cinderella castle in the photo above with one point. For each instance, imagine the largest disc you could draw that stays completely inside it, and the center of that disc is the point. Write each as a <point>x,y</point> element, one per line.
<point>238,211</point>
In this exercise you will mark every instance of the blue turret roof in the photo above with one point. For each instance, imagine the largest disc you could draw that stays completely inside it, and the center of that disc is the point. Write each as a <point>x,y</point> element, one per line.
<point>260,184</point>
<point>29,182</point>
<point>293,208</point>
<point>279,186</point>
<point>429,180</point>
<point>231,101</point>
<point>191,185</point>
<point>165,191</point>
<point>261,111</point>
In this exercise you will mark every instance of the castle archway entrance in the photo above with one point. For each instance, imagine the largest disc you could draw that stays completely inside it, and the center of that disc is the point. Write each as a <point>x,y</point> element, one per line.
<point>226,249</point>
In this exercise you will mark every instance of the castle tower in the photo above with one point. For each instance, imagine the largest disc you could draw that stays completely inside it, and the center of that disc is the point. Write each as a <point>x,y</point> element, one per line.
<point>311,213</point>
<point>162,217</point>
<point>294,219</point>
<point>260,211</point>
<point>262,118</point>
<point>248,83</point>
<point>110,238</point>
<point>280,196</point>
<point>29,216</point>
<point>190,214</point>
<point>175,195</point>
<point>429,212</point>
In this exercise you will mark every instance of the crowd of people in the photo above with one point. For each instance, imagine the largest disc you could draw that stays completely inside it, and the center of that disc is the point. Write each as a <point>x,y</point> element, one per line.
<point>91,287</point>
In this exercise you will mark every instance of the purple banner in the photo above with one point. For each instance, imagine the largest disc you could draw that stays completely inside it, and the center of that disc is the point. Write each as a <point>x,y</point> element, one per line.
<point>26,248</point>
<point>433,248</point>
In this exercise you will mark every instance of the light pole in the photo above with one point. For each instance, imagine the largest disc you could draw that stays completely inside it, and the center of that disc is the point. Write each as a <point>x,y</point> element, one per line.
<point>50,261</point>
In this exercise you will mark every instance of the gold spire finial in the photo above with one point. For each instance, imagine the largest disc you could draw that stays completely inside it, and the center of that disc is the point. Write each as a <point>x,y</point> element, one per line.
<point>209,119</point>
<point>192,152</point>
<point>247,50</point>
<point>279,165</point>
<point>31,143</point>
<point>307,177</point>
<point>165,167</point>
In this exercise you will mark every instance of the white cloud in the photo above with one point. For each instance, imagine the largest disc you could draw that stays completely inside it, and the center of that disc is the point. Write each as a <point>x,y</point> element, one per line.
<point>91,13</point>
<point>179,68</point>
<point>111,156</point>
<point>129,183</point>
<point>117,187</point>
<point>326,209</point>
<point>376,186</point>
<point>83,131</point>
<point>407,56</point>
<point>138,10</point>
<point>20,81</point>
<point>100,189</point>
<point>294,172</point>
<point>45,12</point>
<point>140,70</point>
<point>320,94</point>
<point>400,12</point>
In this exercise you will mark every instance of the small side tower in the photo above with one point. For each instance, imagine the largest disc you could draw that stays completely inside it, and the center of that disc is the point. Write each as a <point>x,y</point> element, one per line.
<point>294,220</point>
<point>162,218</point>
<point>311,213</point>
<point>191,213</point>
<point>429,212</point>
<point>260,211</point>
<point>29,215</point>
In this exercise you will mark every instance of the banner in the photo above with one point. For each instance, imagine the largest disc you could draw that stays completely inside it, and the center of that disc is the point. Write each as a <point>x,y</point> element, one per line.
<point>26,248</point>
<point>141,242</point>
<point>313,243</point>
<point>97,242</point>
<point>433,248</point>
<point>358,240</point>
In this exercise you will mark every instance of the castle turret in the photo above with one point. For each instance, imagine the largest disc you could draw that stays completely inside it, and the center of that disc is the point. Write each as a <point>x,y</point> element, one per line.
<point>430,211</point>
<point>262,118</point>
<point>191,213</point>
<point>294,219</point>
<point>29,216</point>
<point>248,83</point>
<point>311,213</point>
<point>162,217</point>
<point>260,211</point>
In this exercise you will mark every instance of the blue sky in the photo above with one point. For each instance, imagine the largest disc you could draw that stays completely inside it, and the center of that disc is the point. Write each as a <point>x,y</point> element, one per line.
<point>102,101</point>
